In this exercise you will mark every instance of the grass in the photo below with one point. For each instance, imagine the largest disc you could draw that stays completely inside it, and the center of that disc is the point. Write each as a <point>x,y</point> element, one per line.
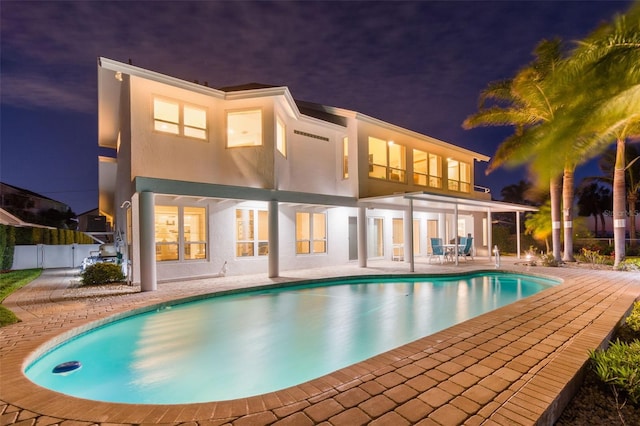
<point>10,282</point>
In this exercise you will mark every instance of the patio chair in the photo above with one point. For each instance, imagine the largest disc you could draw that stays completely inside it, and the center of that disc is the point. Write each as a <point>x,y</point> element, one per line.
<point>467,249</point>
<point>437,249</point>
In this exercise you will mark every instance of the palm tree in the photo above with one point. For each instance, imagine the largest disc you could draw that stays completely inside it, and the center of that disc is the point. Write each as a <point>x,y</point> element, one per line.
<point>608,63</point>
<point>525,102</point>
<point>538,225</point>
<point>632,181</point>
<point>519,193</point>
<point>594,200</point>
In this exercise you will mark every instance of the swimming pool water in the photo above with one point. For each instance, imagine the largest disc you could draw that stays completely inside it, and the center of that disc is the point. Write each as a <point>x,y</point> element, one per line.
<point>250,343</point>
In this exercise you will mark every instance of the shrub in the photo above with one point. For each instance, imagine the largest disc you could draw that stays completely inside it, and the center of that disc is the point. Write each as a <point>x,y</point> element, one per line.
<point>619,367</point>
<point>628,264</point>
<point>593,257</point>
<point>548,260</point>
<point>633,320</point>
<point>102,273</point>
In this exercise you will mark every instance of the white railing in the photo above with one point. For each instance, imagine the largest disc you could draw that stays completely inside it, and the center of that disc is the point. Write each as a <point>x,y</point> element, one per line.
<point>483,189</point>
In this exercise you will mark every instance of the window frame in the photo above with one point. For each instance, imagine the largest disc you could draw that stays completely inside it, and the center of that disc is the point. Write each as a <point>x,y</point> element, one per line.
<point>281,137</point>
<point>180,124</point>
<point>259,246</point>
<point>432,178</point>
<point>260,135</point>
<point>311,232</point>
<point>345,157</point>
<point>390,172</point>
<point>179,243</point>
<point>455,183</point>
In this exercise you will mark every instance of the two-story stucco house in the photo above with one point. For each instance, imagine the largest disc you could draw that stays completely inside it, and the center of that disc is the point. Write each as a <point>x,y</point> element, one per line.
<point>249,179</point>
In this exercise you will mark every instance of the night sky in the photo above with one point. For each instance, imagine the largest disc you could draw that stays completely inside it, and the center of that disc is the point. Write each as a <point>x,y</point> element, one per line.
<point>420,65</point>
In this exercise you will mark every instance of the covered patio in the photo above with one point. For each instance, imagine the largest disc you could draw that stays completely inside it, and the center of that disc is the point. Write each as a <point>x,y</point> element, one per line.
<point>445,205</point>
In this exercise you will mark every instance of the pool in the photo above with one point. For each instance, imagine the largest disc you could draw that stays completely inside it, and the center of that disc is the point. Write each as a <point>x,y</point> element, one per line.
<point>238,345</point>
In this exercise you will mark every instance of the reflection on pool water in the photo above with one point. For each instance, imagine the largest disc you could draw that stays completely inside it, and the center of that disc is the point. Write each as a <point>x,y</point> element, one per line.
<point>250,343</point>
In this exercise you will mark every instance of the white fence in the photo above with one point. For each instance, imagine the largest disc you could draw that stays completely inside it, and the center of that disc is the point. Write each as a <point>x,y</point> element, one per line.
<point>56,256</point>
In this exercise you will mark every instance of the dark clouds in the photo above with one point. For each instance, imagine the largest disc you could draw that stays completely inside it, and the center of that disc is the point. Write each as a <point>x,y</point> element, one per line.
<point>420,65</point>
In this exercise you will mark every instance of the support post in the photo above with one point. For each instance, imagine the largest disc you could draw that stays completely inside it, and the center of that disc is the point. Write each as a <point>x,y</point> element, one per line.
<point>274,240</point>
<point>489,234</point>
<point>408,236</point>
<point>362,237</point>
<point>518,235</point>
<point>148,280</point>
<point>456,249</point>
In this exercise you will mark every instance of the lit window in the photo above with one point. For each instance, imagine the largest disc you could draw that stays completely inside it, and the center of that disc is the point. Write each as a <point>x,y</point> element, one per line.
<point>426,169</point>
<point>435,171</point>
<point>250,234</point>
<point>167,119</point>
<point>387,160</point>
<point>375,237</point>
<point>180,233</point>
<point>195,122</point>
<point>244,128</point>
<point>311,233</point>
<point>167,227</point>
<point>281,137</point>
<point>458,176</point>
<point>416,236</point>
<point>397,239</point>
<point>166,116</point>
<point>345,158</point>
<point>195,237</point>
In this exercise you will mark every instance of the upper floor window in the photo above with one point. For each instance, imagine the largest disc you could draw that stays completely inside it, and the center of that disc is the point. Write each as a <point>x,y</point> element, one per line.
<point>458,176</point>
<point>179,119</point>
<point>252,234</point>
<point>387,160</point>
<point>427,169</point>
<point>311,233</point>
<point>244,128</point>
<point>281,137</point>
<point>345,157</point>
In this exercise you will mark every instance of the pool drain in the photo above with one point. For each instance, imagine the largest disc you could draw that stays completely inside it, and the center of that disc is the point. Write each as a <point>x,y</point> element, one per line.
<point>66,367</point>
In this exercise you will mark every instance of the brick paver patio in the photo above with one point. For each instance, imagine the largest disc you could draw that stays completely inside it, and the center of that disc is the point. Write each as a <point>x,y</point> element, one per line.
<point>517,365</point>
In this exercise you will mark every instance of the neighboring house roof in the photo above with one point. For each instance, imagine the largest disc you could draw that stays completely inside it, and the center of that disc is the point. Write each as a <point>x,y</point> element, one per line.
<point>28,209</point>
<point>26,192</point>
<point>7,218</point>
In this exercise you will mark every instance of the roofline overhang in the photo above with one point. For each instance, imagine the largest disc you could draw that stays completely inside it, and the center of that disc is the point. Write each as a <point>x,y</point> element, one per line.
<point>377,122</point>
<point>209,190</point>
<point>447,200</point>
<point>442,203</point>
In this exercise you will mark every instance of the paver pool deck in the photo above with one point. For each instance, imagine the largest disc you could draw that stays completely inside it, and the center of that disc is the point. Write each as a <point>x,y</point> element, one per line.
<point>517,365</point>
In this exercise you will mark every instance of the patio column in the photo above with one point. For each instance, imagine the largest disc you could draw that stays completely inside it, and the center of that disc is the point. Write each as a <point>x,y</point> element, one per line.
<point>148,280</point>
<point>489,234</point>
<point>518,234</point>
<point>274,239</point>
<point>456,249</point>
<point>362,237</point>
<point>408,236</point>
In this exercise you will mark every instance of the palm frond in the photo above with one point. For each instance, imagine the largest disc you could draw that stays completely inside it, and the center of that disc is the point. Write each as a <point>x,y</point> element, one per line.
<point>496,116</point>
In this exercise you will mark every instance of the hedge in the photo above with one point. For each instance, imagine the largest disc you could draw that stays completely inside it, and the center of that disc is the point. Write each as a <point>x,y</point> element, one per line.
<point>10,236</point>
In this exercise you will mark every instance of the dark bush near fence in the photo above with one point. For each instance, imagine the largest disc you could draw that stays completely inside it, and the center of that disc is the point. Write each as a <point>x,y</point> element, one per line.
<point>102,273</point>
<point>7,246</point>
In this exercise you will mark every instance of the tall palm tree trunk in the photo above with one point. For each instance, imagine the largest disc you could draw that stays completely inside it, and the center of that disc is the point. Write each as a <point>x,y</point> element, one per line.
<point>619,214</point>
<point>567,210</point>
<point>554,193</point>
<point>632,199</point>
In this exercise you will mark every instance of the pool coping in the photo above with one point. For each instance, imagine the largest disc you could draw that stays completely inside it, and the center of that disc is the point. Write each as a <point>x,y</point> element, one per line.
<point>517,364</point>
